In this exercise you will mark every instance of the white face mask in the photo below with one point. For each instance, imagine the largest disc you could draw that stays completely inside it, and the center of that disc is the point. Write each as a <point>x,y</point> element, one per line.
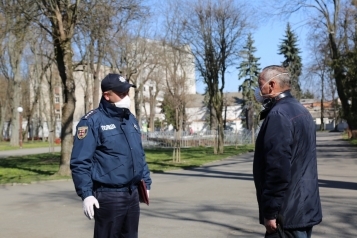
<point>257,95</point>
<point>124,102</point>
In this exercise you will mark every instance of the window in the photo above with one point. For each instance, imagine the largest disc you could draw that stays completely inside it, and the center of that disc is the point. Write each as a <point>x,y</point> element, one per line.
<point>57,99</point>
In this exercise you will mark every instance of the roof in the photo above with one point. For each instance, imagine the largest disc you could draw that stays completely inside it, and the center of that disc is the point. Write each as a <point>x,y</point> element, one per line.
<point>307,100</point>
<point>197,100</point>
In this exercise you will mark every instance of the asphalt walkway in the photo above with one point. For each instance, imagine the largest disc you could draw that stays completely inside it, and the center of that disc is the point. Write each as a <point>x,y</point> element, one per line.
<point>31,151</point>
<point>213,201</point>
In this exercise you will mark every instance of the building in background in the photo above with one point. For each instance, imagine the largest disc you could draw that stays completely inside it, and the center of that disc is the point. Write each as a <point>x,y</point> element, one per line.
<point>47,99</point>
<point>198,113</point>
<point>330,118</point>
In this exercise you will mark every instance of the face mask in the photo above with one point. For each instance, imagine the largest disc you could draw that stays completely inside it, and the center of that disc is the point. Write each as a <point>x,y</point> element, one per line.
<point>124,103</point>
<point>257,95</point>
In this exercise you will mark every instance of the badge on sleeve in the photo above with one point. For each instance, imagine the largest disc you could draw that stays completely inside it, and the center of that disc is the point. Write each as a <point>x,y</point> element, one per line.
<point>82,132</point>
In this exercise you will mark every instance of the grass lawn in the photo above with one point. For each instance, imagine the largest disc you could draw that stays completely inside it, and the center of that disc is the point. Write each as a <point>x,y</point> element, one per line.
<point>33,168</point>
<point>5,145</point>
<point>354,142</point>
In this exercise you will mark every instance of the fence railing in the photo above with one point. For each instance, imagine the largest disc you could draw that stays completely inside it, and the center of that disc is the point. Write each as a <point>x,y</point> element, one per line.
<point>169,139</point>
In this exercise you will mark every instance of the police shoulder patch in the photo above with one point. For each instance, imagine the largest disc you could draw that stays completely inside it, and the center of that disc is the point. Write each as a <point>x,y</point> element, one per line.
<point>82,132</point>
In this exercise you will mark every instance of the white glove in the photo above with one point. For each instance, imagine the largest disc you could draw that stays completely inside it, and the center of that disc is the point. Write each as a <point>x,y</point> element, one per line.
<point>88,204</point>
<point>148,192</point>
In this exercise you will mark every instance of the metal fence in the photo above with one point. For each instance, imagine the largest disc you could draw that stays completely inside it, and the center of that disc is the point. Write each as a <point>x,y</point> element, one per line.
<point>166,139</point>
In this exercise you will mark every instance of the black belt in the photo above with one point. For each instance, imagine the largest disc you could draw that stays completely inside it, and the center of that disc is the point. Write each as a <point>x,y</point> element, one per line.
<point>113,188</point>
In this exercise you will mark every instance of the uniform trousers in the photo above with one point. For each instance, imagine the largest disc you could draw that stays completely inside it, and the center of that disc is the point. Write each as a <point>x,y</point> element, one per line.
<point>118,214</point>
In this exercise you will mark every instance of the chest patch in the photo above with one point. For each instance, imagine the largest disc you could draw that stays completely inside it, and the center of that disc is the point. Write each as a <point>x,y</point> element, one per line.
<point>82,132</point>
<point>108,127</point>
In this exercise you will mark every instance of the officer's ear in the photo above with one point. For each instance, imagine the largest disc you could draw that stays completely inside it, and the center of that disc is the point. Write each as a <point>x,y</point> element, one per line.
<point>106,95</point>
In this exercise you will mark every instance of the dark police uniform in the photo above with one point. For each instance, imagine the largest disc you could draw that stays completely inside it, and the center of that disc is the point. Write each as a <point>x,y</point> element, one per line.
<point>108,162</point>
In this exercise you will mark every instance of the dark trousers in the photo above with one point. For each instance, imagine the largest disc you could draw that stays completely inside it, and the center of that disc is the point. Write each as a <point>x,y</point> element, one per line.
<point>118,214</point>
<point>295,233</point>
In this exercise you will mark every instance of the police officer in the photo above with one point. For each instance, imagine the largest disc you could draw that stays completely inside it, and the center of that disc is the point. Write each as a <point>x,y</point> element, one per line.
<point>108,162</point>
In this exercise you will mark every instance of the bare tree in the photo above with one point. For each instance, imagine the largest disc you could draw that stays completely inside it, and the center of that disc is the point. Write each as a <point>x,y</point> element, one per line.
<point>177,63</point>
<point>59,19</point>
<point>39,60</point>
<point>3,82</point>
<point>215,31</point>
<point>321,69</point>
<point>177,60</point>
<point>337,21</point>
<point>3,107</point>
<point>137,58</point>
<point>15,29</point>
<point>106,22</point>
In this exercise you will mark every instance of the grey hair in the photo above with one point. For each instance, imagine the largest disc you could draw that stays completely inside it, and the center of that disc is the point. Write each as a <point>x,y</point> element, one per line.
<point>278,72</point>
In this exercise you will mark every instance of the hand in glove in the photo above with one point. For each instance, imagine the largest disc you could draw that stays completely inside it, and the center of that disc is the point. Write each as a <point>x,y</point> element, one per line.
<point>147,191</point>
<point>88,208</point>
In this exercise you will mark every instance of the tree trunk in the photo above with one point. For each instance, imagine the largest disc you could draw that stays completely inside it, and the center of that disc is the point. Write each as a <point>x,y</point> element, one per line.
<point>340,76</point>
<point>95,72</point>
<point>152,110</point>
<point>322,125</point>
<point>138,101</point>
<point>2,121</point>
<point>64,63</point>
<point>220,136</point>
<point>354,134</point>
<point>15,103</point>
<point>218,107</point>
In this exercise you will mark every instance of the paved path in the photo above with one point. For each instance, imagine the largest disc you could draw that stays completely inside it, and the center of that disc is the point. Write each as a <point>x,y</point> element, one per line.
<point>19,152</point>
<point>213,201</point>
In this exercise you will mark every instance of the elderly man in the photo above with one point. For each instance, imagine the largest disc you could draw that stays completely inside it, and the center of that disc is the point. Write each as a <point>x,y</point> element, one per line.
<point>108,162</point>
<point>285,166</point>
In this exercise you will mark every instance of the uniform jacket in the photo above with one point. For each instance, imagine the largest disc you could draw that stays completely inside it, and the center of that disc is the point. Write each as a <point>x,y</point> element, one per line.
<point>107,150</point>
<point>285,166</point>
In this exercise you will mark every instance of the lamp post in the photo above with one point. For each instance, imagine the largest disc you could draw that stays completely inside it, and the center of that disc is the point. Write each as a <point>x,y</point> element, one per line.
<point>20,109</point>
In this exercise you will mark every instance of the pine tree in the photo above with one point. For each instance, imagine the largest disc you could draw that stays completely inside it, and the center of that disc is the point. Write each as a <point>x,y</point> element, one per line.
<point>249,72</point>
<point>289,49</point>
<point>168,110</point>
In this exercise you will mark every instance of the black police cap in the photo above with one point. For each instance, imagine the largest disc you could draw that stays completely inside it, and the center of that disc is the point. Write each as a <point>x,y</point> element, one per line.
<point>116,83</point>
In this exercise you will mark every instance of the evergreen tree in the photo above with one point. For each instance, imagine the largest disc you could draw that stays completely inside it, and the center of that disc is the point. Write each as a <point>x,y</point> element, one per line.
<point>289,49</point>
<point>249,72</point>
<point>168,110</point>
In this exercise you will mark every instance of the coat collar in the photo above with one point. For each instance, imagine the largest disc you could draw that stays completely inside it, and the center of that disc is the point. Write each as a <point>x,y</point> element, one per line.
<point>112,111</point>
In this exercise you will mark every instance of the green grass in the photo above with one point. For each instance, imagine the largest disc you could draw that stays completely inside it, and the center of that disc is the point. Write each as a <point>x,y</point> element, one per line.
<point>161,160</point>
<point>33,168</point>
<point>4,145</point>
<point>352,141</point>
<point>29,168</point>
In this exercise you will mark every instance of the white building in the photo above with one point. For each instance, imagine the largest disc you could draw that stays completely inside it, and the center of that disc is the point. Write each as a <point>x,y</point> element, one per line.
<point>197,112</point>
<point>165,62</point>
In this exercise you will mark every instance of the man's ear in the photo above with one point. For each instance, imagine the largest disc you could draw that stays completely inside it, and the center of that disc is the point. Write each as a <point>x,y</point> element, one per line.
<point>106,95</point>
<point>272,85</point>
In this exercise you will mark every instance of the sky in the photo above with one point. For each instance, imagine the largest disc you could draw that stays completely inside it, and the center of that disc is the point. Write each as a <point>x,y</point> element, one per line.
<point>266,38</point>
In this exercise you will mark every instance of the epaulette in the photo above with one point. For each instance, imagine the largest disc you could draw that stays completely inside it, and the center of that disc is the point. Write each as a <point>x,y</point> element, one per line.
<point>89,114</point>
